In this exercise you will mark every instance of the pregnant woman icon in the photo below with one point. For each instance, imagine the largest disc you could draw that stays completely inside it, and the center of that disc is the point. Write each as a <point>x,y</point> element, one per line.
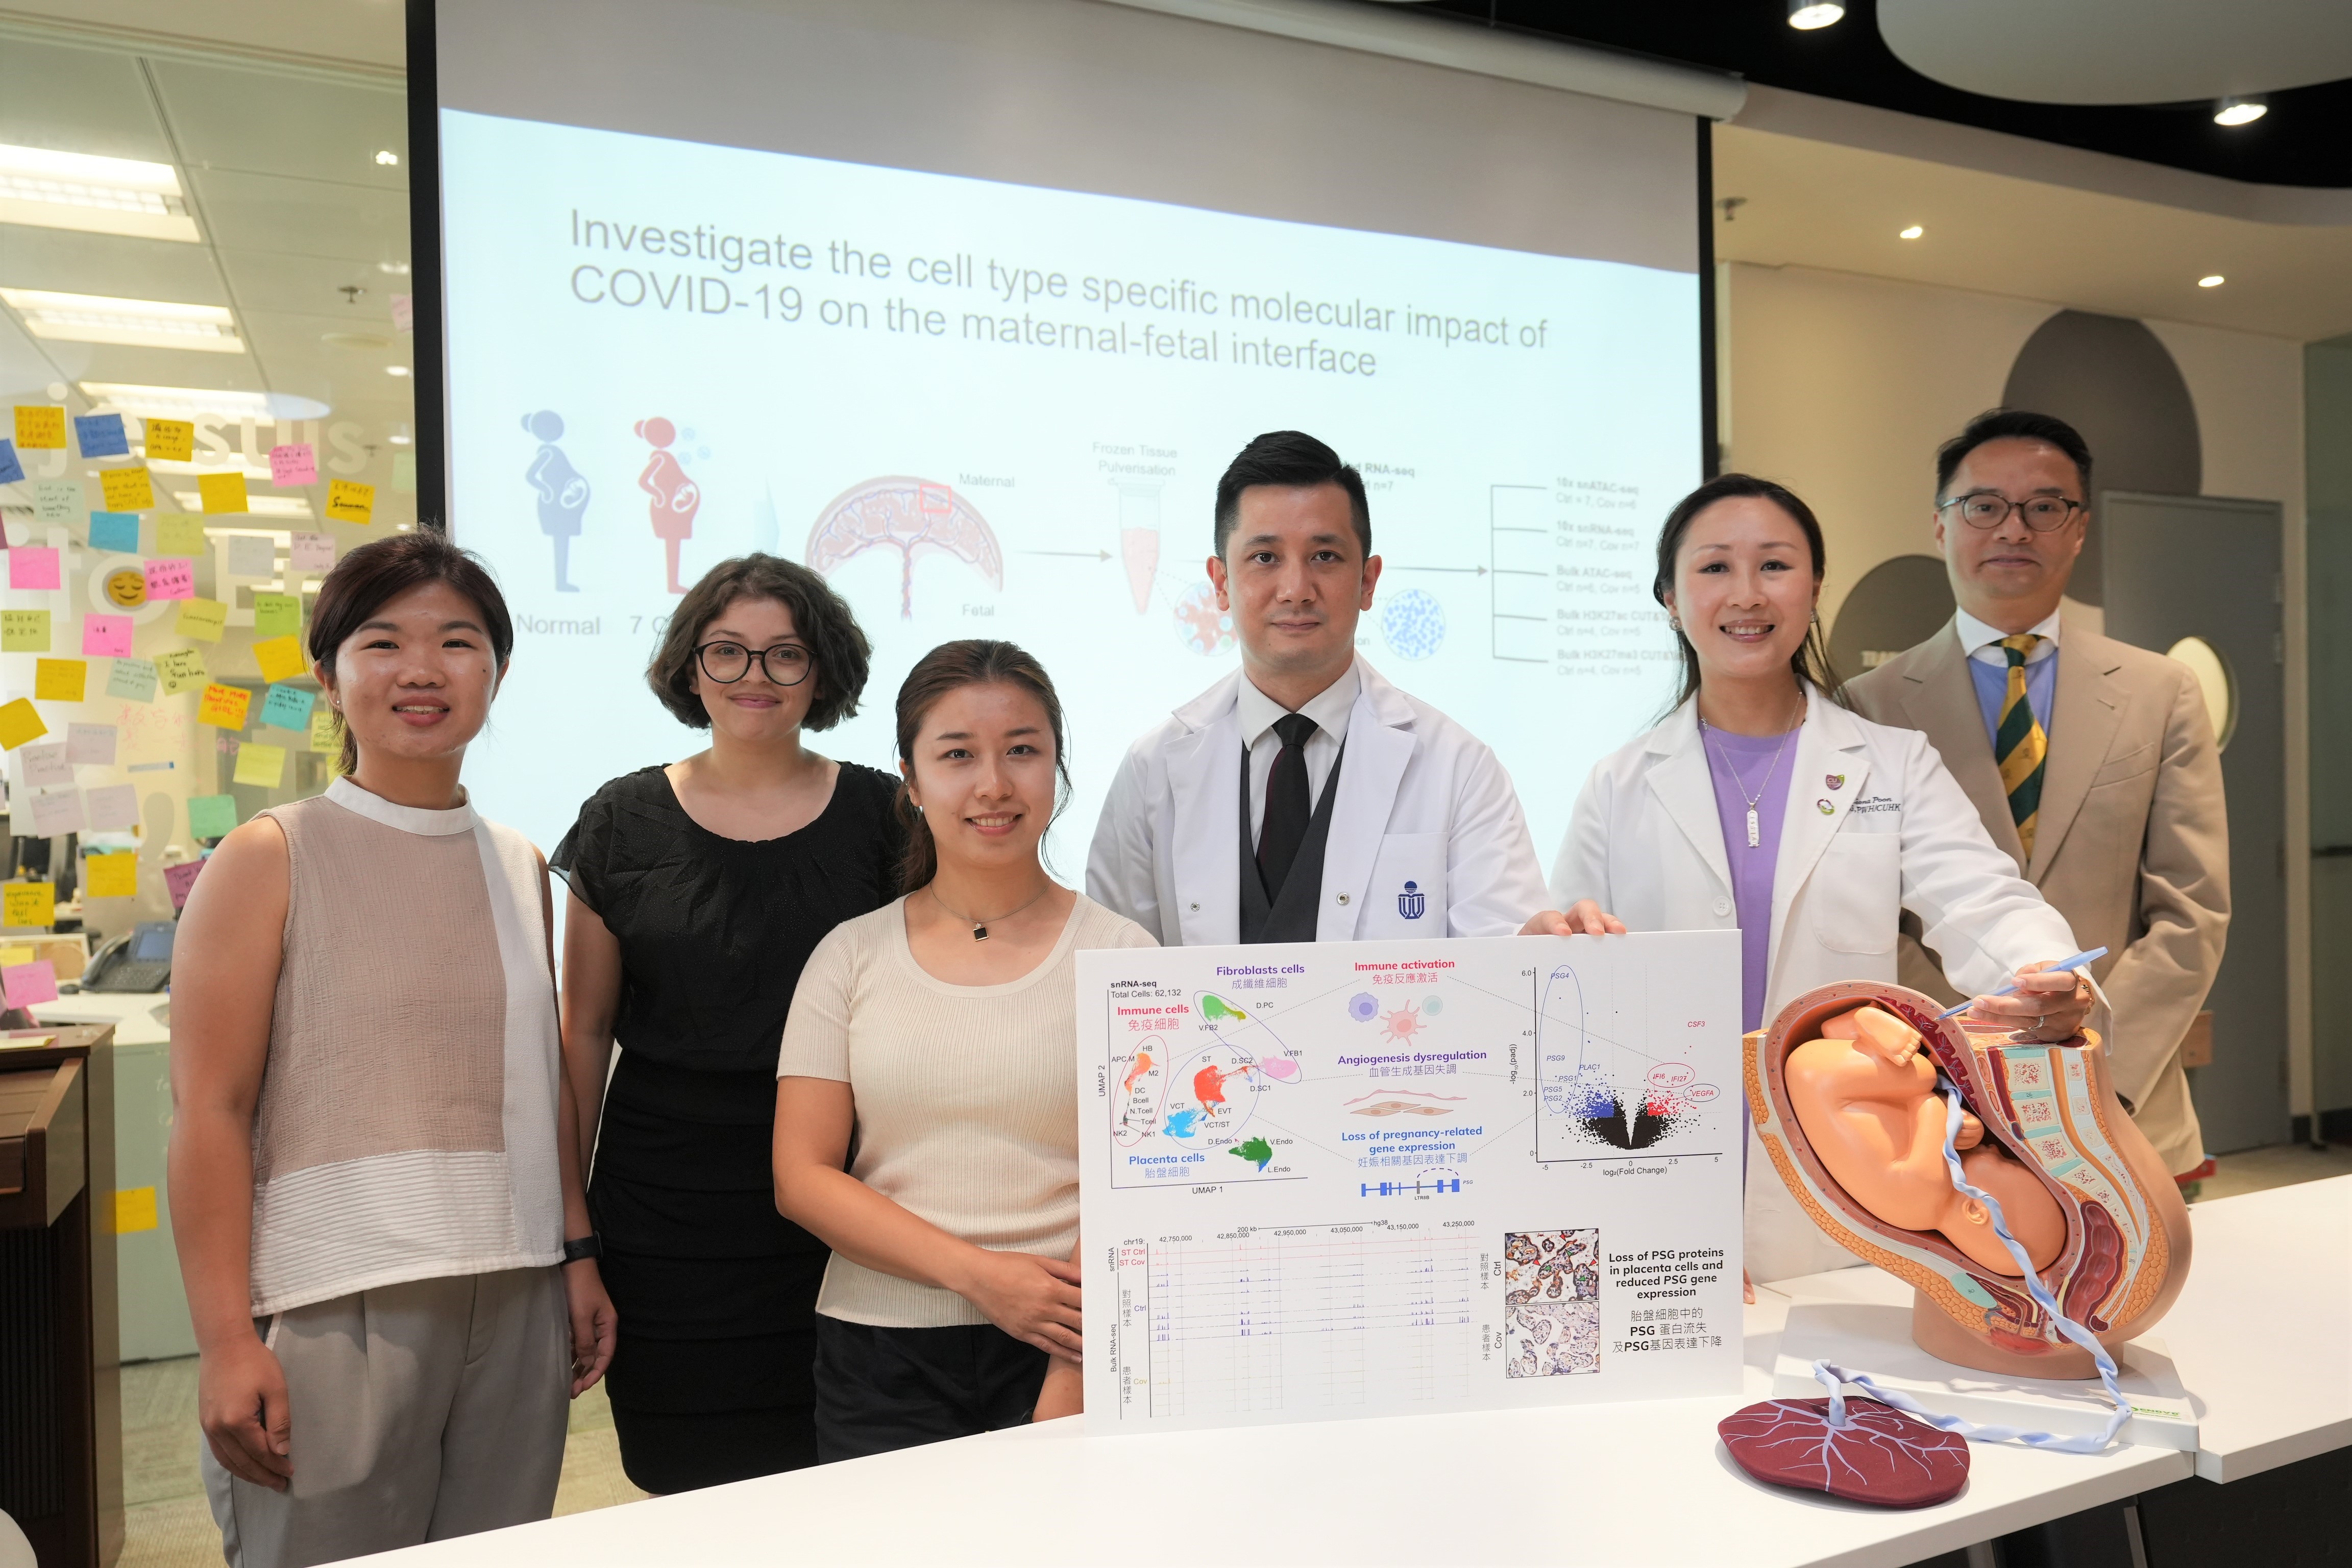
<point>563,491</point>
<point>676,497</point>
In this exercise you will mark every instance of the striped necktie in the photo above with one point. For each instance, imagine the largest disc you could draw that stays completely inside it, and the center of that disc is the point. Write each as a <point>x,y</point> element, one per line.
<point>2019,747</point>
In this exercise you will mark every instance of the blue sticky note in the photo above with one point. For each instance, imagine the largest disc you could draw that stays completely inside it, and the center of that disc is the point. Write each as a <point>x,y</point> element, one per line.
<point>101,436</point>
<point>115,530</point>
<point>10,470</point>
<point>289,708</point>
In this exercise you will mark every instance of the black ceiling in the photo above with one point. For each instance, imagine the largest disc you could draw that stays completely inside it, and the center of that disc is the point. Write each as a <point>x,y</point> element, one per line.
<point>2304,139</point>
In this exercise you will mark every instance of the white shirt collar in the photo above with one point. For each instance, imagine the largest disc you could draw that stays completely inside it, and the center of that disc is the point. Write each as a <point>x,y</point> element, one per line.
<point>1982,642</point>
<point>407,818</point>
<point>1330,708</point>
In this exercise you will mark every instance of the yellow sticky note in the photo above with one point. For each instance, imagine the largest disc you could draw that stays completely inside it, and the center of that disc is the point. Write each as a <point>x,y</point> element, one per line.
<point>276,615</point>
<point>348,500</point>
<point>223,706</point>
<point>177,533</point>
<point>44,424</point>
<point>18,953</point>
<point>263,766</point>
<point>127,489</point>
<point>24,631</point>
<point>181,669</point>
<point>222,492</point>
<point>20,722</point>
<point>280,658</point>
<point>60,679</point>
<point>28,904</point>
<point>134,1210</point>
<point>201,619</point>
<point>114,875</point>
<point>171,440</point>
<point>323,738</point>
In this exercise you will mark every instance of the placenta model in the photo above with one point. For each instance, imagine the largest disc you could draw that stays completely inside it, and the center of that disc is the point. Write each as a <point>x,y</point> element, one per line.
<point>1849,1092</point>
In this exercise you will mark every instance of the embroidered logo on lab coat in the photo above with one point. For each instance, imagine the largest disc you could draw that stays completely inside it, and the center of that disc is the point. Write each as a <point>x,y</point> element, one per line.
<point>1411,902</point>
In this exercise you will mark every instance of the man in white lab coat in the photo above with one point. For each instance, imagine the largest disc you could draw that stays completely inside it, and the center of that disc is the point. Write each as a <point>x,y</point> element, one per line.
<point>1303,798</point>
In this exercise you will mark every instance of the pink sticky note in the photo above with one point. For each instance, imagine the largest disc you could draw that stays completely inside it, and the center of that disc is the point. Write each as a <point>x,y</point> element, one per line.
<point>293,464</point>
<point>33,566</point>
<point>179,880</point>
<point>170,577</point>
<point>29,983</point>
<point>106,636</point>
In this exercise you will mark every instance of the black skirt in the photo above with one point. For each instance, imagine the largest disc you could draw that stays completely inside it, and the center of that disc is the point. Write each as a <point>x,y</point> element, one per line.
<point>716,1291</point>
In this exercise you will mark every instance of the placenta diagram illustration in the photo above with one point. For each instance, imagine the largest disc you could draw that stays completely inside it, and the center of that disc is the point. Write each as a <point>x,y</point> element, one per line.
<point>914,517</point>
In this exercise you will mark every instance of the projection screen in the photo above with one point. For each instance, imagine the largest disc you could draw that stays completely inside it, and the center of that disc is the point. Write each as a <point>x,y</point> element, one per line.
<point>967,306</point>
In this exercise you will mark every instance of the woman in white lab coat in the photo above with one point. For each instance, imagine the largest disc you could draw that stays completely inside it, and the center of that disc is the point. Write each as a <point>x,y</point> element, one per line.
<point>1762,804</point>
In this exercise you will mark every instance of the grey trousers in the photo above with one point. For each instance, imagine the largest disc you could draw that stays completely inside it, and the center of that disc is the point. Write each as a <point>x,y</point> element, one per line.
<point>418,1412</point>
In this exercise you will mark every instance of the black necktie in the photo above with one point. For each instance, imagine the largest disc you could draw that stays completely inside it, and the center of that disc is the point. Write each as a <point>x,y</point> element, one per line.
<point>1283,828</point>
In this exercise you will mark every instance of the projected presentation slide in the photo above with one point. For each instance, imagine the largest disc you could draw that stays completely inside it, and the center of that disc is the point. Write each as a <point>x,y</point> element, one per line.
<point>984,409</point>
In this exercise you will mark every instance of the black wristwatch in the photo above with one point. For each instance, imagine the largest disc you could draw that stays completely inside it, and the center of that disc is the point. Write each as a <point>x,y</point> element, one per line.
<point>585,1246</point>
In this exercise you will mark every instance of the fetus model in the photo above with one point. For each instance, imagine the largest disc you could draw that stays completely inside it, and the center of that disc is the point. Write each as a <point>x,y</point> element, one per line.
<point>1849,1092</point>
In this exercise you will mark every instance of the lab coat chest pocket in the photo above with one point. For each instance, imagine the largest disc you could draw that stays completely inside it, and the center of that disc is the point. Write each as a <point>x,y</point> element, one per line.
<point>1407,895</point>
<point>1857,892</point>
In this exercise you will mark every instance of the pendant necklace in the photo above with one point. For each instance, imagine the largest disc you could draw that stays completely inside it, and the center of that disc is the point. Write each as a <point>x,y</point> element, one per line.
<point>979,927</point>
<point>1755,837</point>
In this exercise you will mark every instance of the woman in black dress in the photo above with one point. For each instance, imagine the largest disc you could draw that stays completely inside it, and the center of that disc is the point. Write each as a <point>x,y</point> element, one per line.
<point>698,891</point>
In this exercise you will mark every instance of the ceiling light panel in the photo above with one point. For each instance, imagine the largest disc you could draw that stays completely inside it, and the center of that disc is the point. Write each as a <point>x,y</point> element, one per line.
<point>46,189</point>
<point>188,402</point>
<point>140,323</point>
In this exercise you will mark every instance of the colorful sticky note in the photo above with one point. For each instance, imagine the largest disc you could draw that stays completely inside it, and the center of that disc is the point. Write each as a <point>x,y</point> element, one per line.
<point>288,708</point>
<point>29,985</point>
<point>33,566</point>
<point>20,722</point>
<point>45,766</point>
<point>12,468</point>
<point>170,441</point>
<point>134,1210</point>
<point>17,953</point>
<point>133,680</point>
<point>201,619</point>
<point>29,903</point>
<point>55,812</point>
<point>404,471</point>
<point>222,492</point>
<point>296,463</point>
<point>127,489</point>
<point>280,658</point>
<point>178,534</point>
<point>170,577</point>
<point>181,669</point>
<point>114,530</point>
<point>56,501</point>
<point>114,875</point>
<point>324,738</point>
<point>40,425</point>
<point>276,615</point>
<point>252,556</point>
<point>112,807</point>
<point>211,815</point>
<point>313,552</point>
<point>91,744</point>
<point>105,636</point>
<point>60,680</point>
<point>223,706</point>
<point>179,878</point>
<point>101,436</point>
<point>348,500</point>
<point>24,631</point>
<point>260,765</point>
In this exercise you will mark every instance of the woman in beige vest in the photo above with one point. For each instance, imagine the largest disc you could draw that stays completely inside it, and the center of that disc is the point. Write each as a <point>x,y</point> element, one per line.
<point>374,1171</point>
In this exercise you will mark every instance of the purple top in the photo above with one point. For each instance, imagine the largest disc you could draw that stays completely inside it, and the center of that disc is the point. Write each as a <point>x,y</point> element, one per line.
<point>1751,870</point>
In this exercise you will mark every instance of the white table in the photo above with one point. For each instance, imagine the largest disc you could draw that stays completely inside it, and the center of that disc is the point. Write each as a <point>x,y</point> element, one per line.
<point>2263,1334</point>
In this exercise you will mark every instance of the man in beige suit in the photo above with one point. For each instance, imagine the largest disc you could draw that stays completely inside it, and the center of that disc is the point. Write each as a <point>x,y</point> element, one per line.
<point>2091,760</point>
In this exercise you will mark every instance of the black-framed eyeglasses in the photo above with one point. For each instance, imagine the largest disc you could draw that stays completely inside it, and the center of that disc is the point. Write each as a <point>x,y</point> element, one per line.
<point>786,664</point>
<point>1985,508</point>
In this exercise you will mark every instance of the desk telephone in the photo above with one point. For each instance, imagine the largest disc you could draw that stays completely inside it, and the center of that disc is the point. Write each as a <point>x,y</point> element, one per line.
<point>138,962</point>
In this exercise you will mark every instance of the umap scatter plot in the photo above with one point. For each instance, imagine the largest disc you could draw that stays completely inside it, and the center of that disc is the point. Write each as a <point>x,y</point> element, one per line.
<point>1551,1302</point>
<point>1413,623</point>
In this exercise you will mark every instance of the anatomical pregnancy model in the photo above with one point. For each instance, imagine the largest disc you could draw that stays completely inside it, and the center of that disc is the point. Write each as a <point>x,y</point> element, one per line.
<point>1849,1092</point>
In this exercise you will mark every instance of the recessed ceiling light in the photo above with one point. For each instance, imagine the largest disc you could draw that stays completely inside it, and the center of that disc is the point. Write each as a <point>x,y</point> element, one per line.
<point>140,323</point>
<point>395,370</point>
<point>2241,111</point>
<point>182,401</point>
<point>388,159</point>
<point>100,195</point>
<point>1913,232</point>
<point>1807,14</point>
<point>395,268</point>
<point>2210,280</point>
